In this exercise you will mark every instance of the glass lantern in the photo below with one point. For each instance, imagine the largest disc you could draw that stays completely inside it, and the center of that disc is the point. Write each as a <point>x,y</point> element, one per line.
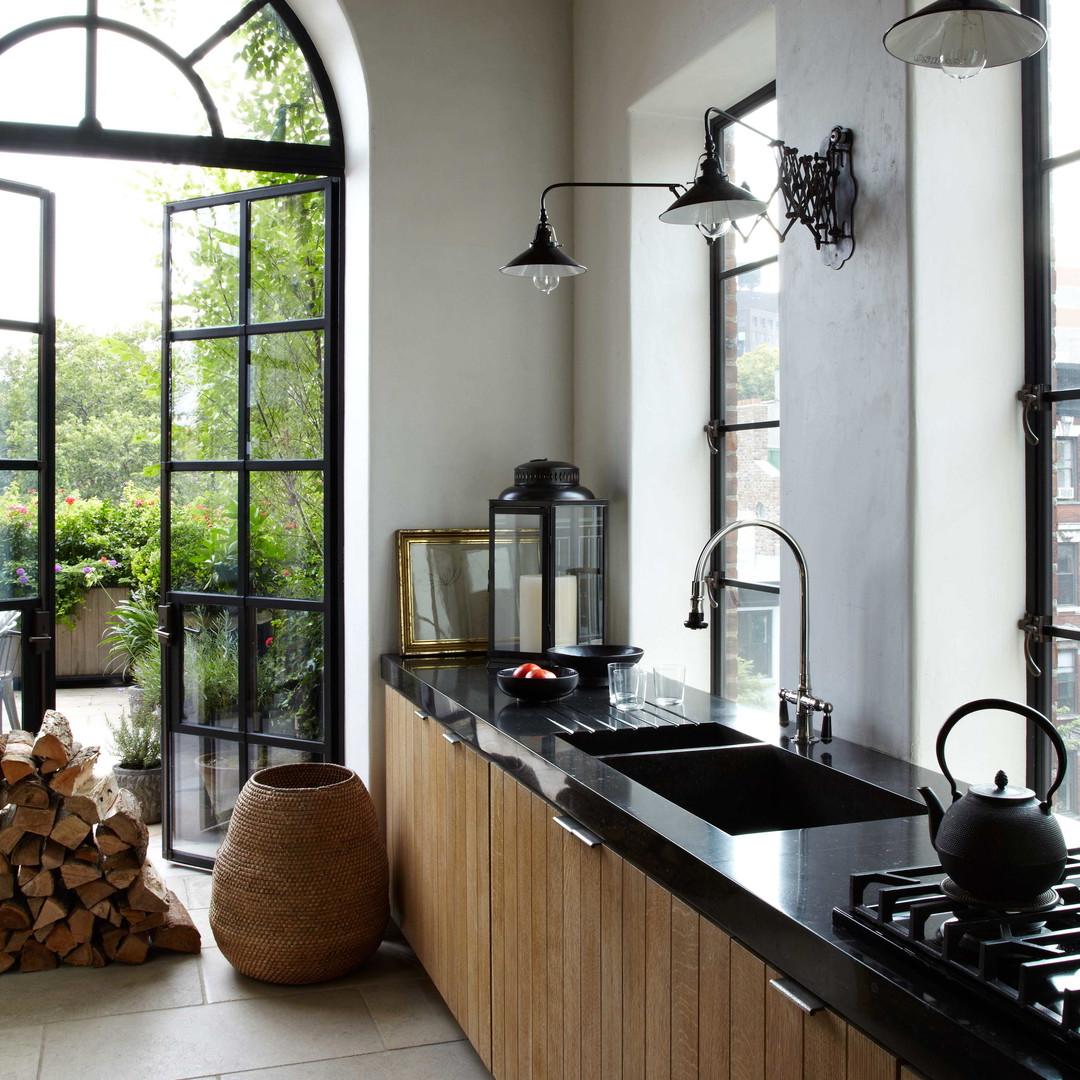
<point>546,563</point>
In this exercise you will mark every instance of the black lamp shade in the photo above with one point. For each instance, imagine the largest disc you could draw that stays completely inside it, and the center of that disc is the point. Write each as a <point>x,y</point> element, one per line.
<point>712,199</point>
<point>1009,35</point>
<point>543,257</point>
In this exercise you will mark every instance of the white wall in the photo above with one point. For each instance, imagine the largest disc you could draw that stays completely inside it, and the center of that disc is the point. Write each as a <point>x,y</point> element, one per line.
<point>466,373</point>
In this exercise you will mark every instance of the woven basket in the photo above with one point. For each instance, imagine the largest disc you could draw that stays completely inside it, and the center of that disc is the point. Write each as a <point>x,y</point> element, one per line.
<point>300,886</point>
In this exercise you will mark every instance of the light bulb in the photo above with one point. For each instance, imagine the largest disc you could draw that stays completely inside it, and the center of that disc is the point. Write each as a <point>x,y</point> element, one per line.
<point>713,230</point>
<point>546,283</point>
<point>963,45</point>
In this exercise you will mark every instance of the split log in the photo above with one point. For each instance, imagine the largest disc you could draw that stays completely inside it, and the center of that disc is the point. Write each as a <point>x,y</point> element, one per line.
<point>178,933</point>
<point>75,872</point>
<point>85,955</point>
<point>54,739</point>
<point>133,949</point>
<point>7,960</point>
<point>124,818</point>
<point>5,793</point>
<point>27,851</point>
<point>9,835</point>
<point>77,773</point>
<point>121,879</point>
<point>15,914</point>
<point>16,939</point>
<point>53,910</point>
<point>122,860</point>
<point>93,891</point>
<point>18,759</point>
<point>60,940</point>
<point>93,802</point>
<point>7,882</point>
<point>108,842</point>
<point>140,922</point>
<point>53,855</point>
<point>69,829</point>
<point>147,892</point>
<point>81,924</point>
<point>111,939</point>
<point>29,791</point>
<point>87,853</point>
<point>35,957</point>
<point>43,883</point>
<point>108,912</point>
<point>35,821</point>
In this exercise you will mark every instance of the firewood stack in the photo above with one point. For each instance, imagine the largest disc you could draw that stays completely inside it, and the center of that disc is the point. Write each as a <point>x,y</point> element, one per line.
<point>75,883</point>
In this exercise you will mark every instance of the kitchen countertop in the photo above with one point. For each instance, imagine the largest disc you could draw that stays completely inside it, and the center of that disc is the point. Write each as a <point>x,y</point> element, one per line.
<point>774,892</point>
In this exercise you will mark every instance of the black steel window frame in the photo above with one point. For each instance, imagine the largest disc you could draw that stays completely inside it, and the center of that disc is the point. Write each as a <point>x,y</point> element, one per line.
<point>1041,481</point>
<point>719,404</point>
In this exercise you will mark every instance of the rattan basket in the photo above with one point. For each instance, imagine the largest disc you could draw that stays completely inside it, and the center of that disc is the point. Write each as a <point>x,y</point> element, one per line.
<point>300,886</point>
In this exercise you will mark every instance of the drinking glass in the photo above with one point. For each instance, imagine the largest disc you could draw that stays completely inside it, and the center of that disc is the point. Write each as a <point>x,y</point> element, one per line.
<point>626,686</point>
<point>669,684</point>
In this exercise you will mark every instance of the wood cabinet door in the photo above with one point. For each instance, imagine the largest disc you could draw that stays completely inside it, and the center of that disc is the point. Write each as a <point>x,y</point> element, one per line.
<point>437,824</point>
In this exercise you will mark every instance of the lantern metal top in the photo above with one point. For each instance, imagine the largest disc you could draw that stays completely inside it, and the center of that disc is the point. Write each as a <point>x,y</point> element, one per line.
<point>546,481</point>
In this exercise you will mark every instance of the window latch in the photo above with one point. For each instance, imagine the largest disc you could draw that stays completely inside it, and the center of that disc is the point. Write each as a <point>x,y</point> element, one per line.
<point>712,435</point>
<point>1034,630</point>
<point>1032,396</point>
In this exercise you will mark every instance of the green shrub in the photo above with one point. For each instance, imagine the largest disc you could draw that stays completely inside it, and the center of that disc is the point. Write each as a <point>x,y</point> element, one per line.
<point>137,735</point>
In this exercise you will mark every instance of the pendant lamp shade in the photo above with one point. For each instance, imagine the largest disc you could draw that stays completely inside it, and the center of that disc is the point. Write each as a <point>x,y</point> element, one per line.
<point>543,258</point>
<point>961,37</point>
<point>712,200</point>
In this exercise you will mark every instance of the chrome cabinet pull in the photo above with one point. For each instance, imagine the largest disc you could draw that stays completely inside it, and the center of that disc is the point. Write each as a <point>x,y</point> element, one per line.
<point>797,993</point>
<point>419,715</point>
<point>576,829</point>
<point>450,737</point>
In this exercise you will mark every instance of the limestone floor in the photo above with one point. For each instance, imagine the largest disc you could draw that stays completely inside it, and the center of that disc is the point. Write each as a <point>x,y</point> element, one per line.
<point>181,1016</point>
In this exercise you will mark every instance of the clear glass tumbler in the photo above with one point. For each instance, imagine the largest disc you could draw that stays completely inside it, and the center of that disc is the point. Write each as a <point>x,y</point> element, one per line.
<point>626,686</point>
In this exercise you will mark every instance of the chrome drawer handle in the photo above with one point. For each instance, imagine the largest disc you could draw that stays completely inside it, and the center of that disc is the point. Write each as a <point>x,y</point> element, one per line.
<point>798,994</point>
<point>578,830</point>
<point>419,715</point>
<point>450,737</point>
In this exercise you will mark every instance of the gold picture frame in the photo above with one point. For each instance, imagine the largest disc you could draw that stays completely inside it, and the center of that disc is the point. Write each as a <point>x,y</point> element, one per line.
<point>443,591</point>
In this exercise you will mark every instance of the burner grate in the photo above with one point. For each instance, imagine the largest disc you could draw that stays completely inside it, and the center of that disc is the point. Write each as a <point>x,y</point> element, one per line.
<point>1028,960</point>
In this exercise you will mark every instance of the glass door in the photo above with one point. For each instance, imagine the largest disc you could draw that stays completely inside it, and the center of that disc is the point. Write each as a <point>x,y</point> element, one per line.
<point>251,564</point>
<point>27,373</point>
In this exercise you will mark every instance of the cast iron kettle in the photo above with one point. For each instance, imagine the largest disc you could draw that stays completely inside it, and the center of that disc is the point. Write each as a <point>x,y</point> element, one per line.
<point>1001,847</point>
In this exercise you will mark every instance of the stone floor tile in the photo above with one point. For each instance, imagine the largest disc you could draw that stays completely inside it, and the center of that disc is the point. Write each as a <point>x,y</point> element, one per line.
<point>441,1061</point>
<point>393,961</point>
<point>22,1049</point>
<point>165,981</point>
<point>410,1012</point>
<point>198,890</point>
<point>176,1044</point>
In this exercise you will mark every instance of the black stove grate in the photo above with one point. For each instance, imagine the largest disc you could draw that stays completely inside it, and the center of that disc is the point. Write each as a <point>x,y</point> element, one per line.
<point>1028,960</point>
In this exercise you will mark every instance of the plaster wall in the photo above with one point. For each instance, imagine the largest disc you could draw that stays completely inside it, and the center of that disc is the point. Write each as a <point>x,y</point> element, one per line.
<point>455,373</point>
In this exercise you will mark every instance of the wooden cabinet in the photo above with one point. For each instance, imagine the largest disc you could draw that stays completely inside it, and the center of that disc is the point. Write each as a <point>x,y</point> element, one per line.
<point>437,826</point>
<point>594,971</point>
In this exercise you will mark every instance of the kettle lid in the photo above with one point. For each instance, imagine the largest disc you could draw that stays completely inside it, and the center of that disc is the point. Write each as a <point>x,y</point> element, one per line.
<point>1002,791</point>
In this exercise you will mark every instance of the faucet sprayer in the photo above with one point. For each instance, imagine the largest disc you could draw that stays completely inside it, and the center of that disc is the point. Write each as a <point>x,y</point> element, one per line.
<point>803,700</point>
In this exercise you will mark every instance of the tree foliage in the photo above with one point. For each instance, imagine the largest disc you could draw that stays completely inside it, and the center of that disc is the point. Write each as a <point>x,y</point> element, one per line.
<point>757,371</point>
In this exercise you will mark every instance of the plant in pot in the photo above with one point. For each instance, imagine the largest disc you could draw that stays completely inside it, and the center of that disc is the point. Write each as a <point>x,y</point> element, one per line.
<point>136,741</point>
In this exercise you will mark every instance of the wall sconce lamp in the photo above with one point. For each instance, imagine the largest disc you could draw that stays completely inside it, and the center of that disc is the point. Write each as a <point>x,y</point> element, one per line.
<point>961,37</point>
<point>819,191</point>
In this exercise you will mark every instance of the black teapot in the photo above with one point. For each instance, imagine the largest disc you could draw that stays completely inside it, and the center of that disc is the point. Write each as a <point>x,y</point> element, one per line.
<point>1001,847</point>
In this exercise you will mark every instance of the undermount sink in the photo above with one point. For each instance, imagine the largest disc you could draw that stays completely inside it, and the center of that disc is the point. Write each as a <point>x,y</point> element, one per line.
<point>760,788</point>
<point>646,739</point>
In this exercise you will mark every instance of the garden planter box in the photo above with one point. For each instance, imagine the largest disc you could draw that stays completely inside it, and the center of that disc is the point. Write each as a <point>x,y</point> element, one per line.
<point>81,651</point>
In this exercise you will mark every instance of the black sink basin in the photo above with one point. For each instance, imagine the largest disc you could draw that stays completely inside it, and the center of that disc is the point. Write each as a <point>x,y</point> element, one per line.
<point>749,789</point>
<point>667,737</point>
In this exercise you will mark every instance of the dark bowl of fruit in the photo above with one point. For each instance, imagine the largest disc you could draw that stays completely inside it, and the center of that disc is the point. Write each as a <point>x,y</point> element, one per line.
<point>532,682</point>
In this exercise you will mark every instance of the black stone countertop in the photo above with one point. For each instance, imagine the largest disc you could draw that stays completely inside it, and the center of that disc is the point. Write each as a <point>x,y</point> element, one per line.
<point>774,892</point>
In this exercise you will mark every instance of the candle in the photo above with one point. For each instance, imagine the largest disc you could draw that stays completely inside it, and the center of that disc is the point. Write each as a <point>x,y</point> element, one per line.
<point>531,612</point>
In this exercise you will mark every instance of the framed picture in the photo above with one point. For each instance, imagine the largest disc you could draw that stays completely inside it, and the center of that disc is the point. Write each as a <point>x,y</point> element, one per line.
<point>443,584</point>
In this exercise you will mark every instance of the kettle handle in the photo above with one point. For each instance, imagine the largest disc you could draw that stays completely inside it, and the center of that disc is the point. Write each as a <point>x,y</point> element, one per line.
<point>1033,715</point>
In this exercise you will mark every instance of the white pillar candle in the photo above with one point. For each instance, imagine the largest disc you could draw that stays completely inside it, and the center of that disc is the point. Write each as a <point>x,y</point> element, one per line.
<point>531,612</point>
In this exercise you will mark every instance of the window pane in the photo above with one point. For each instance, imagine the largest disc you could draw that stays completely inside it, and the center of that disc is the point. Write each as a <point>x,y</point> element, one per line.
<point>18,395</point>
<point>206,783</point>
<point>749,159</point>
<point>20,267</point>
<point>1063,24</point>
<point>211,680</point>
<point>289,651</point>
<point>203,532</point>
<point>42,79</point>
<point>205,271</point>
<point>286,534</point>
<point>752,474</point>
<point>751,620</point>
<point>264,757</point>
<point>18,534</point>
<point>12,16</point>
<point>1067,720</point>
<point>287,396</point>
<point>287,257</point>
<point>203,400</point>
<point>1065,275</point>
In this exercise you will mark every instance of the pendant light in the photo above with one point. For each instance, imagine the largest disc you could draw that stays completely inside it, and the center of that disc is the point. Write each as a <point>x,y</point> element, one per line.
<point>544,259</point>
<point>961,37</point>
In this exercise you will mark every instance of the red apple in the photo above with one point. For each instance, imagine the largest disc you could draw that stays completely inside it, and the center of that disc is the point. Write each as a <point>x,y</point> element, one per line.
<point>540,673</point>
<point>522,671</point>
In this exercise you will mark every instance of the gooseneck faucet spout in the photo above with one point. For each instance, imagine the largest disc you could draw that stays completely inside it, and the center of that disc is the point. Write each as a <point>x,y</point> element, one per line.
<point>803,699</point>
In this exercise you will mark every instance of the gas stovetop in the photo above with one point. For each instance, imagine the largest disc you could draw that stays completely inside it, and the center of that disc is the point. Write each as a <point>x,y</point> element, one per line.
<point>1027,960</point>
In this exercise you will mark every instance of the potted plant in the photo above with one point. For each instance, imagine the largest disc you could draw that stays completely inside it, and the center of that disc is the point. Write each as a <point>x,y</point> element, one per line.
<point>136,741</point>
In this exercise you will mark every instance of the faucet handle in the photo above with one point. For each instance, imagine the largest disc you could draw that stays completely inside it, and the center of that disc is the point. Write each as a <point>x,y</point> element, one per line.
<point>785,720</point>
<point>826,724</point>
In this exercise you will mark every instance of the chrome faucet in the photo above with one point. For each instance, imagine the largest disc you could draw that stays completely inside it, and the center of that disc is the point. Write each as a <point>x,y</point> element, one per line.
<point>803,699</point>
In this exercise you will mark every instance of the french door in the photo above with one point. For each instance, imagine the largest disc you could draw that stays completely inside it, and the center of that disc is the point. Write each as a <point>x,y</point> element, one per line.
<point>27,472</point>
<point>250,619</point>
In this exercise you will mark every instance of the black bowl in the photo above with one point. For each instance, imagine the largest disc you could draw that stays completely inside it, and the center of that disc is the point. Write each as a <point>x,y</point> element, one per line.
<point>591,661</point>
<point>566,679</point>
